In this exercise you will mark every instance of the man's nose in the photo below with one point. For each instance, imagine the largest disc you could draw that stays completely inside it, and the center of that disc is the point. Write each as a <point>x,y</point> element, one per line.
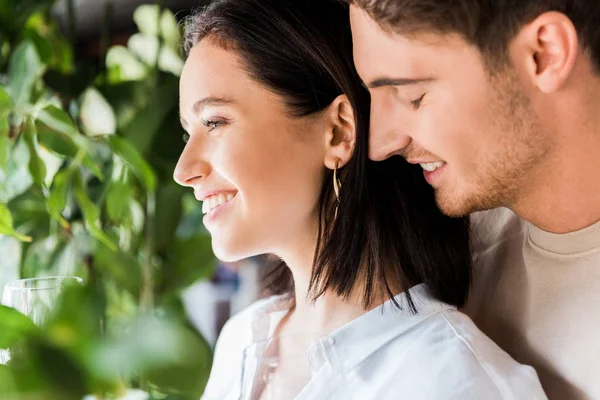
<point>388,134</point>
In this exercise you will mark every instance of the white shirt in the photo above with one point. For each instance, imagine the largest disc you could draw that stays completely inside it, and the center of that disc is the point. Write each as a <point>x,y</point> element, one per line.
<point>384,354</point>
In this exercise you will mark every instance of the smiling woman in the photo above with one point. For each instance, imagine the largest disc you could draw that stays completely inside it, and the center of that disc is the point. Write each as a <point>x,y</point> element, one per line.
<point>249,149</point>
<point>277,150</point>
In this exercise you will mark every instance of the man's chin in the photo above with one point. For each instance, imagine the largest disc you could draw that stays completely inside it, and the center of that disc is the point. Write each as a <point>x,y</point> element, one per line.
<point>456,205</point>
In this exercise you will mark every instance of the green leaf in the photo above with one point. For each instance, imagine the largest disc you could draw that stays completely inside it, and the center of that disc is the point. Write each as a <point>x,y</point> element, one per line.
<point>145,47</point>
<point>169,29</point>
<point>7,382</point>
<point>17,179</point>
<point>57,142</point>
<point>146,19</point>
<point>57,201</point>
<point>191,259</point>
<point>51,256</point>
<point>134,161</point>
<point>52,161</point>
<point>57,132</point>
<point>170,61</point>
<point>117,200</point>
<point>24,70</point>
<point>78,315</point>
<point>4,128</point>
<point>97,116</point>
<point>168,215</point>
<point>170,351</point>
<point>91,213</point>
<point>62,370</point>
<point>57,120</point>
<point>30,213</point>
<point>123,267</point>
<point>189,374</point>
<point>10,249</point>
<point>5,102</point>
<point>122,66</point>
<point>14,14</point>
<point>37,168</point>
<point>143,128</point>
<point>14,326</point>
<point>6,225</point>
<point>53,49</point>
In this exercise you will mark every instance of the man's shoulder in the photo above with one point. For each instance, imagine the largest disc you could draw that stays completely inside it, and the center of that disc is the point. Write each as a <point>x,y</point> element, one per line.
<point>494,228</point>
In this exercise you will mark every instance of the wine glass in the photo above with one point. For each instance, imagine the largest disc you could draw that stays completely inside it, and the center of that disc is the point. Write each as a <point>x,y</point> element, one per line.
<point>35,298</point>
<point>279,368</point>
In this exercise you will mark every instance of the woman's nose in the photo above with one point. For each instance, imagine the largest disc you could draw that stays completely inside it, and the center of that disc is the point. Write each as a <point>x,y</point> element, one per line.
<point>190,168</point>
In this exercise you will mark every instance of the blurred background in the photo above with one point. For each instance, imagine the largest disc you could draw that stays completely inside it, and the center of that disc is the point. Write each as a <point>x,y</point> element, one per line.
<point>89,138</point>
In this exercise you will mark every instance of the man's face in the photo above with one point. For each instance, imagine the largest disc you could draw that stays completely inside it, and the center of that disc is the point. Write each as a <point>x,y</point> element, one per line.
<point>434,102</point>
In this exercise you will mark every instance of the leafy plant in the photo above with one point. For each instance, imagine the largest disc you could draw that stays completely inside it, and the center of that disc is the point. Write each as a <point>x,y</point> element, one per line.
<point>86,189</point>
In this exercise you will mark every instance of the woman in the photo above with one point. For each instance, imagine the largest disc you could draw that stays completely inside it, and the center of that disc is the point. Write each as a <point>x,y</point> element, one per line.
<point>276,122</point>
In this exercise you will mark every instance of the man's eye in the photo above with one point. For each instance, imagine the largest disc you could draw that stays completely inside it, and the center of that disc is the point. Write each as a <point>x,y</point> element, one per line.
<point>417,103</point>
<point>186,137</point>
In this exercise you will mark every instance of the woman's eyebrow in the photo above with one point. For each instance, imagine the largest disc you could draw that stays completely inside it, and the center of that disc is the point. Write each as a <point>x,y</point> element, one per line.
<point>199,105</point>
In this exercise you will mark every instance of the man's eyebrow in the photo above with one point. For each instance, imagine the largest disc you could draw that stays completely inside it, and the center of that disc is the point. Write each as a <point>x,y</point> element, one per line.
<point>205,102</point>
<point>379,82</point>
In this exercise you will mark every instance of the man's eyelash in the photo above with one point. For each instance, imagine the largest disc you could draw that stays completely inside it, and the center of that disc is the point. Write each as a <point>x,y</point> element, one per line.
<point>417,103</point>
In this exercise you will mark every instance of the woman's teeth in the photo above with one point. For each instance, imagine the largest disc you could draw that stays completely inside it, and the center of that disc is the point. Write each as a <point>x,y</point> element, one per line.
<point>432,166</point>
<point>215,201</point>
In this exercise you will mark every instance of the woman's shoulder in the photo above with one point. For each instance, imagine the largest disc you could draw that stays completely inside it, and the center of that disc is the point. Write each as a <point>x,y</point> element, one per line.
<point>244,318</point>
<point>245,323</point>
<point>237,333</point>
<point>445,356</point>
<point>476,352</point>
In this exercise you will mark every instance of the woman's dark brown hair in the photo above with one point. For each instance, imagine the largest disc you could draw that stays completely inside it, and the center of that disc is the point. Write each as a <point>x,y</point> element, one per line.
<point>389,232</point>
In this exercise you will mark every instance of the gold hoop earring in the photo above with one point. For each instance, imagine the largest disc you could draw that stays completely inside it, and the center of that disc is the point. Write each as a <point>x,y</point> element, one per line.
<point>337,187</point>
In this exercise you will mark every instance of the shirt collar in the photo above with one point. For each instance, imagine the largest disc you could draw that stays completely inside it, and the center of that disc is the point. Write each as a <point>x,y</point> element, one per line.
<point>566,244</point>
<point>358,339</point>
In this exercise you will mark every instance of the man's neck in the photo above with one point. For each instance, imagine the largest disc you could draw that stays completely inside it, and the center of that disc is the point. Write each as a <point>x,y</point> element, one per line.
<point>563,194</point>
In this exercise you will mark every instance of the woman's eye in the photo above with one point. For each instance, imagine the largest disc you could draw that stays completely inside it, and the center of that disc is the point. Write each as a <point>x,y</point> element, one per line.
<point>211,124</point>
<point>417,103</point>
<point>186,137</point>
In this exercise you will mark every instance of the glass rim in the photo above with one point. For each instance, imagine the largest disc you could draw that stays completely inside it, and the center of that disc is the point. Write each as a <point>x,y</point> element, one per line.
<point>13,285</point>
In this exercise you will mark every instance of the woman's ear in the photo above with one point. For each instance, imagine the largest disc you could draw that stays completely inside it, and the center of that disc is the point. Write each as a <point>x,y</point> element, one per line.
<point>341,132</point>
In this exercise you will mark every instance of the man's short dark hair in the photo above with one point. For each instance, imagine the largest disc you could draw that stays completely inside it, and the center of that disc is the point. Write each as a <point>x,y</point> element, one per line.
<point>488,24</point>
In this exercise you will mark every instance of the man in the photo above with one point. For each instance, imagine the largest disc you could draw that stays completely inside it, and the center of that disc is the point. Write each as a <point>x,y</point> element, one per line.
<point>499,101</point>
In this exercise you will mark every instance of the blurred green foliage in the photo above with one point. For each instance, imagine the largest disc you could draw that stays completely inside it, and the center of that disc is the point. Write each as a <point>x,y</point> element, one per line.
<point>86,189</point>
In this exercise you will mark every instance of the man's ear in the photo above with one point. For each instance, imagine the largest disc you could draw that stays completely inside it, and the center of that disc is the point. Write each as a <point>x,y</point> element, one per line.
<point>340,139</point>
<point>546,50</point>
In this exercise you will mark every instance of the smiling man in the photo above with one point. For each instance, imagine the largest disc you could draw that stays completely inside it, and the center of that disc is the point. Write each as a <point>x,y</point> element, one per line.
<point>499,102</point>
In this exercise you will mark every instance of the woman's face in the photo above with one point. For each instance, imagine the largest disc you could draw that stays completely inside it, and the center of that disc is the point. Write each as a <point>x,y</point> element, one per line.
<point>257,169</point>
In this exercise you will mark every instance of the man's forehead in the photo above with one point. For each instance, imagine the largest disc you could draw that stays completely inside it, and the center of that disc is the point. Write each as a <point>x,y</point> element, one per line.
<point>376,50</point>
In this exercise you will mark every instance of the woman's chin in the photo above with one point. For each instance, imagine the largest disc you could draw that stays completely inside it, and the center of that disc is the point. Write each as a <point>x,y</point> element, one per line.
<point>227,253</point>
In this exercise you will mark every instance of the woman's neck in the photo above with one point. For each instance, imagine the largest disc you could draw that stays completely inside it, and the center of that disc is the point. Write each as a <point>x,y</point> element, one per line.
<point>327,313</point>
